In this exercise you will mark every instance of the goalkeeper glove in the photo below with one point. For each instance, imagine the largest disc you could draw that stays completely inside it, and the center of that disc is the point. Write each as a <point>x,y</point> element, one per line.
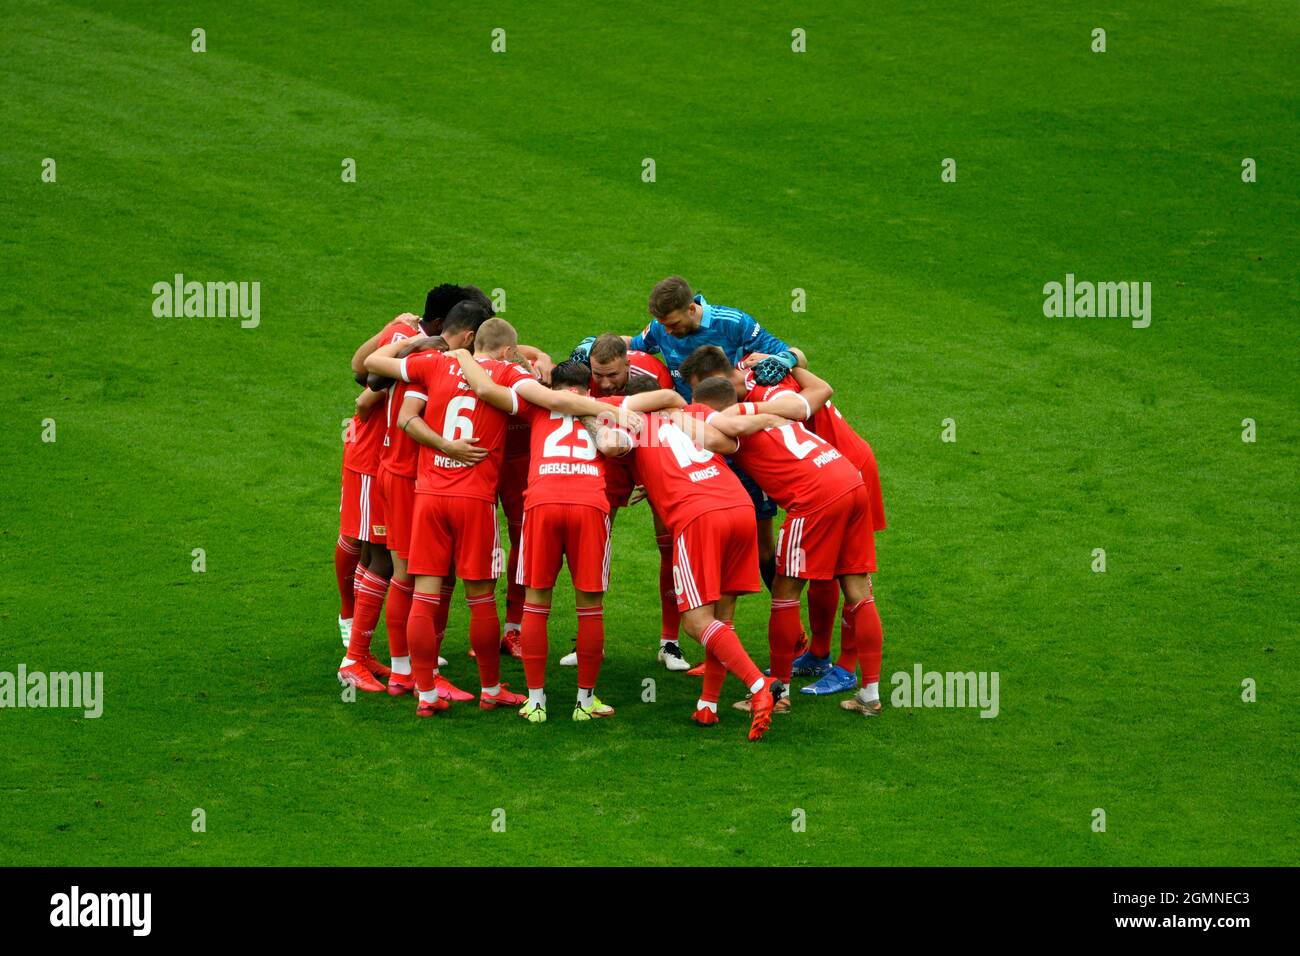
<point>774,368</point>
<point>583,352</point>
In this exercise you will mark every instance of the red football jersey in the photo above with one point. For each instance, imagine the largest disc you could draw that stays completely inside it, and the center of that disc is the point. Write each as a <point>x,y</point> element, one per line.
<point>799,470</point>
<point>683,480</point>
<point>369,435</point>
<point>455,412</point>
<point>827,423</point>
<point>641,364</point>
<point>564,466</point>
<point>401,452</point>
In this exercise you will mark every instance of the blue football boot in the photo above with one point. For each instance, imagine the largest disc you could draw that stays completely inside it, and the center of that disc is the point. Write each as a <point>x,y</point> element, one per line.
<point>835,681</point>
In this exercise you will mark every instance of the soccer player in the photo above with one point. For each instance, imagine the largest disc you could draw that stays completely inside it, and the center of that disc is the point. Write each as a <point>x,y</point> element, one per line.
<point>455,516</point>
<point>617,371</point>
<point>715,550</point>
<point>827,534</point>
<point>566,518</point>
<point>613,364</point>
<point>397,474</point>
<point>825,420</point>
<point>680,323</point>
<point>361,520</point>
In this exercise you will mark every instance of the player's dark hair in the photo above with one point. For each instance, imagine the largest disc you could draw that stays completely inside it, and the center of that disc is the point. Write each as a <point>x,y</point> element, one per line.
<point>704,362</point>
<point>466,315</point>
<point>608,347</point>
<point>439,302</point>
<point>668,296</point>
<point>474,294</point>
<point>636,384</point>
<point>571,374</point>
<point>715,391</point>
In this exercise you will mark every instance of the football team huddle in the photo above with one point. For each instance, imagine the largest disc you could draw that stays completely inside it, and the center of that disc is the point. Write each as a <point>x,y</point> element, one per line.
<point>455,415</point>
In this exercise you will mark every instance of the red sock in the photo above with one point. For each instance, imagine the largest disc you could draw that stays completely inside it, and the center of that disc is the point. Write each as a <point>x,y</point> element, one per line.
<point>823,601</point>
<point>485,637</point>
<point>422,639</point>
<point>721,640</point>
<point>371,589</point>
<point>443,610</point>
<point>783,632</point>
<point>345,564</point>
<point>591,645</point>
<point>670,618</point>
<point>870,639</point>
<point>514,591</point>
<point>714,675</point>
<point>533,639</point>
<point>848,658</point>
<point>396,612</point>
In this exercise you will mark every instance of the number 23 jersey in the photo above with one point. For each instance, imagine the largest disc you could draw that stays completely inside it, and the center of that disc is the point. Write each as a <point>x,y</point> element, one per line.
<point>455,412</point>
<point>564,466</point>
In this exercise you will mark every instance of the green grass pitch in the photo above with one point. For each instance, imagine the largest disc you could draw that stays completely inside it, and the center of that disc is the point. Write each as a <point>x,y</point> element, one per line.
<point>774,171</point>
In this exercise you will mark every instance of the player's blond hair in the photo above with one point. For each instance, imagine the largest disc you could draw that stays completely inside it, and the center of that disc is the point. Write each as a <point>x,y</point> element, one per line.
<point>495,334</point>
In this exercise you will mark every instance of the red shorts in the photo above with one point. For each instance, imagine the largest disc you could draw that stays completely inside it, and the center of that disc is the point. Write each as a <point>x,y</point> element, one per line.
<point>397,498</point>
<point>510,489</point>
<point>834,540</point>
<point>361,514</point>
<point>871,478</point>
<point>716,554</point>
<point>554,533</point>
<point>449,532</point>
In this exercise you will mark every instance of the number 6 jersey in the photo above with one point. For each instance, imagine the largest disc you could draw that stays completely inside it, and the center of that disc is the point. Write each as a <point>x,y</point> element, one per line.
<point>453,410</point>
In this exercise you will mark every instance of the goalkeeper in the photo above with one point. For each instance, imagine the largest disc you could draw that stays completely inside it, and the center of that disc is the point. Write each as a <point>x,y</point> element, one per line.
<point>681,322</point>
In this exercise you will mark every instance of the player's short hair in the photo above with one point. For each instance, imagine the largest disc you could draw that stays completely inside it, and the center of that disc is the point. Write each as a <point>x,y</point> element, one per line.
<point>473,293</point>
<point>704,362</point>
<point>440,300</point>
<point>608,347</point>
<point>494,334</point>
<point>636,384</point>
<point>571,374</point>
<point>714,391</point>
<point>668,296</point>
<point>466,315</point>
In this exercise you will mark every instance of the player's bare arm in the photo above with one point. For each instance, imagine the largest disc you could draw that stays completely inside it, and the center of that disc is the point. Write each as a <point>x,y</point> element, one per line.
<point>418,343</point>
<point>791,405</point>
<point>384,360</point>
<point>659,400</point>
<point>704,434</point>
<point>498,396</point>
<point>464,450</point>
<point>539,360</point>
<point>570,403</point>
<point>611,441</point>
<point>367,401</point>
<point>816,390</point>
<point>738,426</point>
<point>372,343</point>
